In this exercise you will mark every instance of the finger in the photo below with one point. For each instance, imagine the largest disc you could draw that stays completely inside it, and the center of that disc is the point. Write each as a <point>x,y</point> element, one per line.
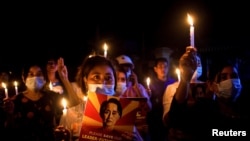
<point>65,69</point>
<point>62,61</point>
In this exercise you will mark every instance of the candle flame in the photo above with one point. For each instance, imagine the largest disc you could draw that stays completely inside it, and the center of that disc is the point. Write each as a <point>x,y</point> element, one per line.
<point>148,81</point>
<point>105,47</point>
<point>64,103</point>
<point>50,86</point>
<point>15,83</point>
<point>178,74</point>
<point>190,20</point>
<point>85,98</point>
<point>3,85</point>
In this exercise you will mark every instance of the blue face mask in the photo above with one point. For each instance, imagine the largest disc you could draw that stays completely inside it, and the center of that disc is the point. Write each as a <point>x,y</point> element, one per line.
<point>102,89</point>
<point>230,88</point>
<point>35,83</point>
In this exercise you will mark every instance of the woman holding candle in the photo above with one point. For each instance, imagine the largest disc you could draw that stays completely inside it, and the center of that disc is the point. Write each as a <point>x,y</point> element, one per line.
<point>95,74</point>
<point>223,112</point>
<point>32,116</point>
<point>170,90</point>
<point>53,81</point>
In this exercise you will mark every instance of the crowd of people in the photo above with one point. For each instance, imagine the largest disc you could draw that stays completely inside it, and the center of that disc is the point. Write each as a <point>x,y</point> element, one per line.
<point>186,109</point>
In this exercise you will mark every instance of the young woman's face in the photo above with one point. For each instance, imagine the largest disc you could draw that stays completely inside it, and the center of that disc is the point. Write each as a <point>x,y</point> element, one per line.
<point>229,73</point>
<point>35,71</point>
<point>101,75</point>
<point>111,114</point>
<point>51,66</point>
<point>121,78</point>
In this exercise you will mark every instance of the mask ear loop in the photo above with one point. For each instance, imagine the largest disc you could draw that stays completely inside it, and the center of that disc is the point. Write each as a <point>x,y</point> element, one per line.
<point>86,86</point>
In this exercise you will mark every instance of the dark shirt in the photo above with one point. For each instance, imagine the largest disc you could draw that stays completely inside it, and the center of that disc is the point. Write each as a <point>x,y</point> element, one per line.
<point>154,117</point>
<point>35,120</point>
<point>200,120</point>
<point>158,88</point>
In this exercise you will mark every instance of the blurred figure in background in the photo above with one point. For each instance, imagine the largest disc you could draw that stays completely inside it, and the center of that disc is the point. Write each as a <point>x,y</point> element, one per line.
<point>223,113</point>
<point>156,89</point>
<point>31,114</point>
<point>171,89</point>
<point>53,81</point>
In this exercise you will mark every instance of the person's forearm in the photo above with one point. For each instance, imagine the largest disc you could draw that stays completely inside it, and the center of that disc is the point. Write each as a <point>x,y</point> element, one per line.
<point>72,96</point>
<point>181,93</point>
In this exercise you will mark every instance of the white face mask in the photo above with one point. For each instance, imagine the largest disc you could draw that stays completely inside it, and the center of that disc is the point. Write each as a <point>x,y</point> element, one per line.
<point>121,88</point>
<point>102,89</point>
<point>230,88</point>
<point>34,83</point>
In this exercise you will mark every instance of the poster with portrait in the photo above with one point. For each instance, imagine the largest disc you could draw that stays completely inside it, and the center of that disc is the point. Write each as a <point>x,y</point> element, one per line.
<point>198,90</point>
<point>141,116</point>
<point>108,118</point>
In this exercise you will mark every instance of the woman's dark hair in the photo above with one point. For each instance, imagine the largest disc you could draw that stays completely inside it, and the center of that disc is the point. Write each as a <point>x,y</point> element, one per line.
<point>25,72</point>
<point>161,59</point>
<point>88,64</point>
<point>124,72</point>
<point>202,86</point>
<point>111,100</point>
<point>215,70</point>
<point>26,69</point>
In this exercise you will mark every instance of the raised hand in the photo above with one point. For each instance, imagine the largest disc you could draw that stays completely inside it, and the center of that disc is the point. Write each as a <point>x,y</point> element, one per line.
<point>188,64</point>
<point>62,69</point>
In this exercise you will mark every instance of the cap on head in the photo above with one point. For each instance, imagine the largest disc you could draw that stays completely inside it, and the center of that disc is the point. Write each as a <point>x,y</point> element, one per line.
<point>124,59</point>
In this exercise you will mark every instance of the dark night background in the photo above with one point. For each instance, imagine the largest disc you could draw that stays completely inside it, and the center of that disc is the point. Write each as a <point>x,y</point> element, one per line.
<point>33,31</point>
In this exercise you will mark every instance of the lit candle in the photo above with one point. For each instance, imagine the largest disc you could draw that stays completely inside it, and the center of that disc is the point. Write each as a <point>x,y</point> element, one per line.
<point>50,86</point>
<point>64,103</point>
<point>85,98</point>
<point>5,89</point>
<point>190,20</point>
<point>178,74</point>
<point>16,89</point>
<point>148,81</point>
<point>105,47</point>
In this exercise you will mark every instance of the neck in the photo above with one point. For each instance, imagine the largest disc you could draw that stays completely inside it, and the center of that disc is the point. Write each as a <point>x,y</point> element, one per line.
<point>32,95</point>
<point>162,78</point>
<point>52,76</point>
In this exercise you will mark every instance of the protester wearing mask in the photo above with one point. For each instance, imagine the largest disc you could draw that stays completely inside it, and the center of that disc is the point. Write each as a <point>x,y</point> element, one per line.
<point>223,113</point>
<point>121,82</point>
<point>125,63</point>
<point>31,113</point>
<point>171,89</point>
<point>134,88</point>
<point>95,74</point>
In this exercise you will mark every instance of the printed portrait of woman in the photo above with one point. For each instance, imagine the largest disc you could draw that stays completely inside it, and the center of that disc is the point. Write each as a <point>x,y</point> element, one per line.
<point>110,112</point>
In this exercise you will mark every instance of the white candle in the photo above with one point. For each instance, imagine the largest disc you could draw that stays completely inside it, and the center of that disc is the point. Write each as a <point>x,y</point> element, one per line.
<point>50,86</point>
<point>5,89</point>
<point>178,74</point>
<point>16,88</point>
<point>148,82</point>
<point>64,103</point>
<point>85,98</point>
<point>105,47</point>
<point>190,20</point>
